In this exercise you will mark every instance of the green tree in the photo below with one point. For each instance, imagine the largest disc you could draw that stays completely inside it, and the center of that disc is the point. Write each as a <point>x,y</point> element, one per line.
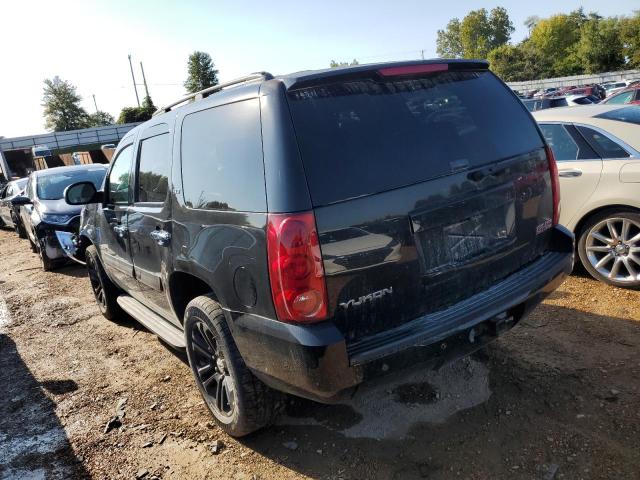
<point>62,110</point>
<point>478,33</point>
<point>556,39</point>
<point>600,47</point>
<point>100,119</point>
<point>201,72</point>
<point>448,44</point>
<point>630,38</point>
<point>138,114</point>
<point>530,22</point>
<point>335,64</point>
<point>514,63</point>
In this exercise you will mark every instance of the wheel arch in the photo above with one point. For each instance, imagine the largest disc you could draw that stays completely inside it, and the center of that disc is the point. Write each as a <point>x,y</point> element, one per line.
<point>184,287</point>
<point>596,211</point>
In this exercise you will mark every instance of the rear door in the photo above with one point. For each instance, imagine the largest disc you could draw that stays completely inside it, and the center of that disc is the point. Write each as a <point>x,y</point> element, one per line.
<point>427,189</point>
<point>112,220</point>
<point>579,167</point>
<point>149,222</point>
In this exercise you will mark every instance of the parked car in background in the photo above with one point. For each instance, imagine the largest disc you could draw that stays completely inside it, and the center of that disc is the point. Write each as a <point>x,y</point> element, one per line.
<point>10,215</point>
<point>309,232</point>
<point>612,88</point>
<point>629,95</point>
<point>574,100</point>
<point>597,150</point>
<point>544,103</point>
<point>43,209</point>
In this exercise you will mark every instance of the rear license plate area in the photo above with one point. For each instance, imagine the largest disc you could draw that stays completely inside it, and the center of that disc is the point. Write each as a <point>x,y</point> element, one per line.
<point>459,233</point>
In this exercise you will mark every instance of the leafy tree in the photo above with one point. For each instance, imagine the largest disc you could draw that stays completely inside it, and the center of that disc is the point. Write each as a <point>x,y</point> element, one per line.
<point>530,22</point>
<point>600,47</point>
<point>448,44</point>
<point>477,34</point>
<point>138,114</point>
<point>99,119</point>
<point>62,110</point>
<point>515,63</point>
<point>556,39</point>
<point>202,73</point>
<point>630,38</point>
<point>335,64</point>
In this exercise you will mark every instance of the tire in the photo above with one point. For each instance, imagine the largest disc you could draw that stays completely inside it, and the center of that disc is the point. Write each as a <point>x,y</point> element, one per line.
<point>18,227</point>
<point>104,290</point>
<point>46,263</point>
<point>609,247</point>
<point>238,401</point>
<point>33,246</point>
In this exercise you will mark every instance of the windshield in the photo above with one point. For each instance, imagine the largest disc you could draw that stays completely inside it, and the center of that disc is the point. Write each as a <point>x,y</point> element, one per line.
<point>365,136</point>
<point>50,186</point>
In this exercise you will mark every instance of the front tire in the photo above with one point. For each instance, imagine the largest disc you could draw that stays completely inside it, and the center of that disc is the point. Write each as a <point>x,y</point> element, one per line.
<point>239,402</point>
<point>46,263</point>
<point>609,248</point>
<point>104,290</point>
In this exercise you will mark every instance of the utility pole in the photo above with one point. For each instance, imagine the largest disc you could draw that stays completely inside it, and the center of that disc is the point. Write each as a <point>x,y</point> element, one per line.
<point>135,89</point>
<point>94,102</point>
<point>422,53</point>
<point>144,79</point>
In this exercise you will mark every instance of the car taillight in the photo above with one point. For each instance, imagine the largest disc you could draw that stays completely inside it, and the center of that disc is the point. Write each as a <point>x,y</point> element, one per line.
<point>555,184</point>
<point>295,268</point>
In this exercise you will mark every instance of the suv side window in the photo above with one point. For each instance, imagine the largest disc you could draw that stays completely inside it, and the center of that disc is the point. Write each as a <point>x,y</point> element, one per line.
<point>222,165</point>
<point>153,168</point>
<point>605,147</point>
<point>119,177</point>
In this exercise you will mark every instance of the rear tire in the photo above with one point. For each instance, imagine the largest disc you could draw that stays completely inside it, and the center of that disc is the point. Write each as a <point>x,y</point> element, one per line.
<point>104,290</point>
<point>609,248</point>
<point>239,402</point>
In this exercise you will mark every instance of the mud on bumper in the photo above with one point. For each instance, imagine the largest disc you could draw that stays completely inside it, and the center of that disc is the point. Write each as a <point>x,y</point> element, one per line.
<point>315,362</point>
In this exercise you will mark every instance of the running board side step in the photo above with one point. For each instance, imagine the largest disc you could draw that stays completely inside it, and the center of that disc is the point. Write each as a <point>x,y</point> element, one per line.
<point>152,321</point>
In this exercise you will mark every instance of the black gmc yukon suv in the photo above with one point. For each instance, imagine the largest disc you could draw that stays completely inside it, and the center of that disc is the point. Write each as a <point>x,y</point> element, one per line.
<point>307,232</point>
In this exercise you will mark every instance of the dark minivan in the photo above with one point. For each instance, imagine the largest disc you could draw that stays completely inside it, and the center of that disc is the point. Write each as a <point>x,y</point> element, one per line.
<point>305,233</point>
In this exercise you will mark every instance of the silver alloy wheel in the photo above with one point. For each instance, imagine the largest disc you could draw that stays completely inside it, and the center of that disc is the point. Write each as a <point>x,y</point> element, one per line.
<point>613,249</point>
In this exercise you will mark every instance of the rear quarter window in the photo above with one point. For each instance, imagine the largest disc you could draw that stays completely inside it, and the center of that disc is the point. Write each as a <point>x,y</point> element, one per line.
<point>221,154</point>
<point>366,136</point>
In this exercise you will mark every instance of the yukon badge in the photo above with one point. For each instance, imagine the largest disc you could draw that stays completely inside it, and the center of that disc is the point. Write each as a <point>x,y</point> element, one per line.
<point>367,298</point>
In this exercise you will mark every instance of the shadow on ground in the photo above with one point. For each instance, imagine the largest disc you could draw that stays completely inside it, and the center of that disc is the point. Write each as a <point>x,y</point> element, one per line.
<point>33,443</point>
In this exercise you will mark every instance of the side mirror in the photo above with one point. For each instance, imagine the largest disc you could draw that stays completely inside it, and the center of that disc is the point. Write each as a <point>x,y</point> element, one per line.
<point>82,193</point>
<point>20,200</point>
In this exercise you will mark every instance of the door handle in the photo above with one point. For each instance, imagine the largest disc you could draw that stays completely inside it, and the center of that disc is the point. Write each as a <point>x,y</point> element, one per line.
<point>161,237</point>
<point>120,230</point>
<point>570,173</point>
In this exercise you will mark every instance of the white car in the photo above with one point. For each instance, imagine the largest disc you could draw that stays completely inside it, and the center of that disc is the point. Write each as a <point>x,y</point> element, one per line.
<point>597,148</point>
<point>614,87</point>
<point>575,100</point>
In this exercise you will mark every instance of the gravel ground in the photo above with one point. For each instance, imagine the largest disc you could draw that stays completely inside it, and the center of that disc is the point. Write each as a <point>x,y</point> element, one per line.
<point>556,397</point>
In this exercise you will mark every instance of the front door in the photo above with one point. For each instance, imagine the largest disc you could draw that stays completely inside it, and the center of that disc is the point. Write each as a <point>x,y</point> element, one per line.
<point>112,221</point>
<point>149,218</point>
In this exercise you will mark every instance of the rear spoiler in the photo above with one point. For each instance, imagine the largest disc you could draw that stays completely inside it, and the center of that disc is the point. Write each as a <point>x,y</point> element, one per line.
<point>410,68</point>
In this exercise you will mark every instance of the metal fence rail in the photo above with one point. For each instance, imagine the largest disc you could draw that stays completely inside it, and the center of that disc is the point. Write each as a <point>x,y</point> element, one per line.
<point>73,138</point>
<point>575,80</point>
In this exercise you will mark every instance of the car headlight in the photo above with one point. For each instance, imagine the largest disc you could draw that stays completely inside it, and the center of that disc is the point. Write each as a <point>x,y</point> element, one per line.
<point>57,219</point>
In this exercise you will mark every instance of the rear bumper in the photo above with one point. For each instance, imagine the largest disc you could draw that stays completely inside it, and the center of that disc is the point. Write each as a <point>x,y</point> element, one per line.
<point>315,361</point>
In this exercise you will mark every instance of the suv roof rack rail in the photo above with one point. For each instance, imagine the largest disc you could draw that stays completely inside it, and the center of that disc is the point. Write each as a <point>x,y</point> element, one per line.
<point>215,88</point>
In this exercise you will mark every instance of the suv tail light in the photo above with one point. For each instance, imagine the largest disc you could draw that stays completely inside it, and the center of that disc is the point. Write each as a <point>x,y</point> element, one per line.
<point>295,267</point>
<point>555,184</point>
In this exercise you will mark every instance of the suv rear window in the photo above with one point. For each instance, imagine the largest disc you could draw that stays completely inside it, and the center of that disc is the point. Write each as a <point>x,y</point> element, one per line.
<point>364,136</point>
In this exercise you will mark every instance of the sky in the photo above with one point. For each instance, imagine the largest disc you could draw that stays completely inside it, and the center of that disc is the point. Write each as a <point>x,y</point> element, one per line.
<point>87,42</point>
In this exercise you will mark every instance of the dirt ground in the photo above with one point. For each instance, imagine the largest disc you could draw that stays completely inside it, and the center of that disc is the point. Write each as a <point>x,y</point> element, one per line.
<point>557,397</point>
